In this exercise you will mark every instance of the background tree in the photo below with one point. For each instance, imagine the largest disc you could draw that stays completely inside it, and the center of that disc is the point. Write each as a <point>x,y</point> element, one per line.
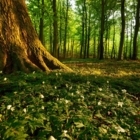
<point>122,35</point>
<point>41,24</point>
<point>55,29</point>
<point>101,44</point>
<point>137,24</point>
<point>84,27</point>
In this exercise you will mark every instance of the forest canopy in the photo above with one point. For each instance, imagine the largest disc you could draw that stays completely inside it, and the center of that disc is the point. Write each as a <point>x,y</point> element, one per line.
<point>88,29</point>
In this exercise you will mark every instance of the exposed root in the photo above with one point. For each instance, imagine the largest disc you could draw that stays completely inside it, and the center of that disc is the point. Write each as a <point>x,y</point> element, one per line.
<point>39,60</point>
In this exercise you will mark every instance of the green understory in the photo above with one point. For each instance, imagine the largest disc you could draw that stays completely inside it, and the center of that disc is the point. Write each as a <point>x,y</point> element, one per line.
<point>74,106</point>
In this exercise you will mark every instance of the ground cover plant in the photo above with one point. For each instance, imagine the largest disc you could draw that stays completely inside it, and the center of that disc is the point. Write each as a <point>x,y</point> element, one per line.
<point>90,104</point>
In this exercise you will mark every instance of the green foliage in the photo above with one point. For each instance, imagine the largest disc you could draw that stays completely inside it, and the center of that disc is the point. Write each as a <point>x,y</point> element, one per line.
<point>77,13</point>
<point>71,106</point>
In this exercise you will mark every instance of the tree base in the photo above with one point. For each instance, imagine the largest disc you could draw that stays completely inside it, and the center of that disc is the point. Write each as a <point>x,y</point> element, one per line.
<point>31,59</point>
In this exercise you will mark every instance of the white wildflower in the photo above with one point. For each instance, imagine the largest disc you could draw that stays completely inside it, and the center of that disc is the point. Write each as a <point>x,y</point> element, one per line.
<point>112,95</point>
<point>107,82</point>
<point>65,132</point>
<point>66,101</point>
<point>24,110</point>
<point>78,92</point>
<point>88,82</point>
<point>5,79</point>
<point>12,108</point>
<point>124,90</point>
<point>41,96</point>
<point>43,107</point>
<point>56,74</point>
<point>66,85</point>
<point>79,100</point>
<point>51,138</point>
<point>99,103</point>
<point>15,92</point>
<point>70,87</point>
<point>72,94</point>
<point>33,72</point>
<point>120,104</point>
<point>82,97</point>
<point>0,72</point>
<point>9,107</point>
<point>55,87</point>
<point>100,89</point>
<point>120,129</point>
<point>108,112</point>
<point>43,82</point>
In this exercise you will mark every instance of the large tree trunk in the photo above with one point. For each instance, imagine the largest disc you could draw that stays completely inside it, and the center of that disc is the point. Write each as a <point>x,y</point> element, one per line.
<point>20,48</point>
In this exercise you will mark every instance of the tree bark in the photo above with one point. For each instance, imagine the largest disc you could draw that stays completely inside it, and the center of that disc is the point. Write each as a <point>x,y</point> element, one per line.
<point>41,23</point>
<point>55,29</point>
<point>101,47</point>
<point>66,29</point>
<point>89,33</point>
<point>20,48</point>
<point>137,20</point>
<point>113,40</point>
<point>122,36</point>
<point>82,40</point>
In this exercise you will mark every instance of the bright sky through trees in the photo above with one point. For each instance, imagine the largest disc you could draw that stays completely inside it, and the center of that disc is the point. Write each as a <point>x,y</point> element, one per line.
<point>72,2</point>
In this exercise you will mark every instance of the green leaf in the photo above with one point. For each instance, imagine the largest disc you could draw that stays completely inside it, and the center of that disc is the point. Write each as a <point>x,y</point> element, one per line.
<point>64,135</point>
<point>102,130</point>
<point>79,124</point>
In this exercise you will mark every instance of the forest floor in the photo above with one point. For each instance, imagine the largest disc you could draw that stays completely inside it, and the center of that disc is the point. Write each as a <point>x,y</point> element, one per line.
<point>121,74</point>
<point>101,100</point>
<point>112,68</point>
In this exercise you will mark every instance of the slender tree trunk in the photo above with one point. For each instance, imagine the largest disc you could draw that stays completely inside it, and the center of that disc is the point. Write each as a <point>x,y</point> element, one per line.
<point>113,40</point>
<point>60,28</point>
<point>94,41</point>
<point>41,23</point>
<point>55,30</point>
<point>51,38</point>
<point>122,36</point>
<point>101,47</point>
<point>86,31</point>
<point>106,37</point>
<point>20,48</point>
<point>94,47</point>
<point>72,48</point>
<point>131,40</point>
<point>126,43</point>
<point>137,20</point>
<point>66,28</point>
<point>88,36</point>
<point>108,45</point>
<point>83,32</point>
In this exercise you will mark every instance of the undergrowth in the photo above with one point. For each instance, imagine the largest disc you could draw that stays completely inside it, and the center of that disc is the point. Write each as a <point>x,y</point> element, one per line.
<point>63,106</point>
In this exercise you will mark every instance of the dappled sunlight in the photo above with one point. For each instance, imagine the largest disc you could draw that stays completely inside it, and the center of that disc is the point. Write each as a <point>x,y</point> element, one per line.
<point>107,68</point>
